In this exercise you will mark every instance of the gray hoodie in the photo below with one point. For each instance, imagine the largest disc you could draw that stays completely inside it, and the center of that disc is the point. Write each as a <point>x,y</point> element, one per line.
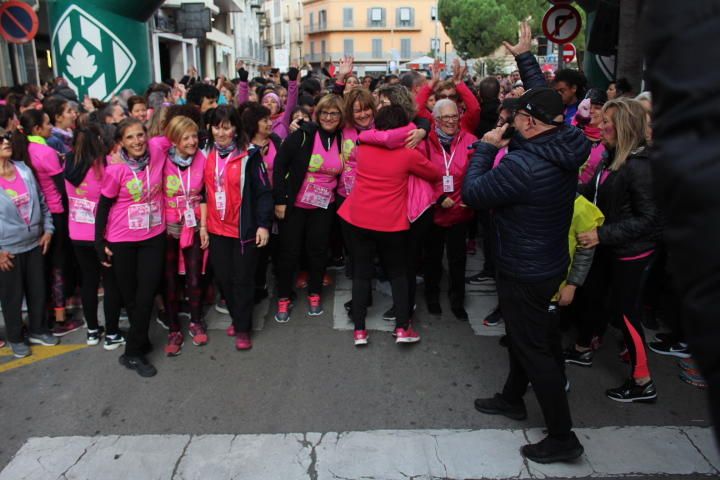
<point>16,236</point>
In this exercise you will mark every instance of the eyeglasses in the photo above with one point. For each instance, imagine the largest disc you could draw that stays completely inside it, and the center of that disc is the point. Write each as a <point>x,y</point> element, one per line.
<point>330,114</point>
<point>449,118</point>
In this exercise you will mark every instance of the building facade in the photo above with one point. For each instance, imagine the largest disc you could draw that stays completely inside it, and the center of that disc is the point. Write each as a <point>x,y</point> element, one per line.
<point>284,35</point>
<point>380,35</point>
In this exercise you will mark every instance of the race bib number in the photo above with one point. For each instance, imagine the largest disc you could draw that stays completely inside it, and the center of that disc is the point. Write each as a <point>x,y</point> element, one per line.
<point>448,184</point>
<point>82,210</point>
<point>220,203</point>
<point>317,196</point>
<point>190,220</point>
<point>143,216</point>
<point>22,202</point>
<point>349,181</point>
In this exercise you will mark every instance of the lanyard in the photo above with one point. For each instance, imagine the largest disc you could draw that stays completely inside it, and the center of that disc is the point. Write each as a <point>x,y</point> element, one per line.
<point>597,183</point>
<point>219,174</point>
<point>452,155</point>
<point>186,191</point>
<point>147,176</point>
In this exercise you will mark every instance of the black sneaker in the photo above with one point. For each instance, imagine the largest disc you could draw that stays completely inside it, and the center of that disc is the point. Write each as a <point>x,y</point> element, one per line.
<point>494,319</point>
<point>460,313</point>
<point>551,450</point>
<point>497,405</point>
<point>584,359</point>
<point>630,392</point>
<point>93,336</point>
<point>139,364</point>
<point>679,349</point>
<point>113,342</point>
<point>482,278</point>
<point>390,315</point>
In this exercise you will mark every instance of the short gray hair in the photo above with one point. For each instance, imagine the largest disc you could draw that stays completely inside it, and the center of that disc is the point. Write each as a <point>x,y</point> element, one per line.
<point>440,104</point>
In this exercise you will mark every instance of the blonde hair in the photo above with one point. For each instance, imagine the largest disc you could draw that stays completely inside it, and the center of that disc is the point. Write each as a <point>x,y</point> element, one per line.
<point>155,128</point>
<point>630,121</point>
<point>178,126</point>
<point>331,101</point>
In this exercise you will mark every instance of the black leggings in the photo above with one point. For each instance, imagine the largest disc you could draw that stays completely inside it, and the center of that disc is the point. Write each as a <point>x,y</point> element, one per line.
<point>452,240</point>
<point>313,226</point>
<point>26,279</point>
<point>60,264</point>
<point>265,254</point>
<point>417,236</point>
<point>234,264</point>
<point>138,268</point>
<point>391,247</point>
<point>193,257</point>
<point>90,272</point>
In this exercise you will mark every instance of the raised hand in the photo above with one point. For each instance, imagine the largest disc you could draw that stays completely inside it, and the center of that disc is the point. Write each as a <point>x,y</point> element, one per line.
<point>435,71</point>
<point>524,41</point>
<point>345,68</point>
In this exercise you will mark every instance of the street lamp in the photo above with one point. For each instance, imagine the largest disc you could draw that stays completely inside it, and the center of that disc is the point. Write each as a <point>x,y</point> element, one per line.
<point>446,44</point>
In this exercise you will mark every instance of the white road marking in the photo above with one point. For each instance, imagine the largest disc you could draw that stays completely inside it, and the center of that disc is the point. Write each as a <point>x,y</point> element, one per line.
<point>383,454</point>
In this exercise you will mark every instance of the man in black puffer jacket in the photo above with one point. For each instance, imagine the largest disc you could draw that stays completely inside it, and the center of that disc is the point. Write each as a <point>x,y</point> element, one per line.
<point>532,192</point>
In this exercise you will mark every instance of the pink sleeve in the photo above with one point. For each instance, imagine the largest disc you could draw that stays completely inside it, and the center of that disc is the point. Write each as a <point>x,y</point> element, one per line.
<point>243,93</point>
<point>291,103</point>
<point>424,168</point>
<point>391,139</point>
<point>471,117</point>
<point>158,147</point>
<point>421,99</point>
<point>50,162</point>
<point>110,183</point>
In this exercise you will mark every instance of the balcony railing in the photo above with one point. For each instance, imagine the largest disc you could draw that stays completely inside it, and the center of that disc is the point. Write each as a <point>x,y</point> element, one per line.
<point>361,57</point>
<point>359,26</point>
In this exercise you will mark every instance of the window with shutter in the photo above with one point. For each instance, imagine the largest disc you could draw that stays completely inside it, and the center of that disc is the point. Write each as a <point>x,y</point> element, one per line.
<point>405,48</point>
<point>377,48</point>
<point>347,17</point>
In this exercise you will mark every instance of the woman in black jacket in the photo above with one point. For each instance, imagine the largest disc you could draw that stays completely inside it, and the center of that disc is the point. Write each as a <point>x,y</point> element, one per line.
<point>622,189</point>
<point>306,172</point>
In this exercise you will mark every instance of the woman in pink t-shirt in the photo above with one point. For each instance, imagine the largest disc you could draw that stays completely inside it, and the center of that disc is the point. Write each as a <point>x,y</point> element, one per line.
<point>31,146</point>
<point>130,234</point>
<point>84,170</point>
<point>185,211</point>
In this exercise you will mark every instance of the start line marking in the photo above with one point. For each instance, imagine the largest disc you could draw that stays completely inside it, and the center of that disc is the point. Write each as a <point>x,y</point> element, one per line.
<point>38,353</point>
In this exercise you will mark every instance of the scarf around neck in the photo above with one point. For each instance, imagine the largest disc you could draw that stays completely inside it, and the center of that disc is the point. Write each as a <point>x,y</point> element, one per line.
<point>37,139</point>
<point>445,139</point>
<point>135,164</point>
<point>178,159</point>
<point>225,151</point>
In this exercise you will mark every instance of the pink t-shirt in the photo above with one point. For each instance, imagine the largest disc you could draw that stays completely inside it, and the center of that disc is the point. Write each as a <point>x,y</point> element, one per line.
<point>18,193</point>
<point>82,206</point>
<point>46,163</point>
<point>321,178</point>
<point>181,186</point>
<point>137,213</point>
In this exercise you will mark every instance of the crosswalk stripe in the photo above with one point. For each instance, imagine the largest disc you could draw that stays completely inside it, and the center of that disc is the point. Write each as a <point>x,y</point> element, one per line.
<point>382,454</point>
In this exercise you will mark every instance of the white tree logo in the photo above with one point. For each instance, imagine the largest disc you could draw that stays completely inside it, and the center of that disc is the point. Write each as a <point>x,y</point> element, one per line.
<point>80,64</point>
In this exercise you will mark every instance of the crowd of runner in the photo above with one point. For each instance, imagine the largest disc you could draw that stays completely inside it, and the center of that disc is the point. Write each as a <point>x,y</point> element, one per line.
<point>194,191</point>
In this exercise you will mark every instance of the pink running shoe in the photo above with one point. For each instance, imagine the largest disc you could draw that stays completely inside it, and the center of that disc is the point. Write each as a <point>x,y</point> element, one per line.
<point>198,332</point>
<point>315,308</point>
<point>230,330</point>
<point>242,341</point>
<point>283,310</point>
<point>360,337</point>
<point>174,344</point>
<point>406,335</point>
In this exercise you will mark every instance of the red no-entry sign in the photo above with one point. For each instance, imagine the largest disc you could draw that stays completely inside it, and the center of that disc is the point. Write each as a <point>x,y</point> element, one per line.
<point>568,52</point>
<point>18,22</point>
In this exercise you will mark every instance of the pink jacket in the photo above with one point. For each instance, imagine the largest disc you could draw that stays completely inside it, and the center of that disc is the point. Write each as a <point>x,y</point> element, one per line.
<point>458,213</point>
<point>421,194</point>
<point>587,171</point>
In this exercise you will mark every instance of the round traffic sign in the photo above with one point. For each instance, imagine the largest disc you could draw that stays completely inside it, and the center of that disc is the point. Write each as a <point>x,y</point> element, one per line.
<point>561,23</point>
<point>18,22</point>
<point>568,52</point>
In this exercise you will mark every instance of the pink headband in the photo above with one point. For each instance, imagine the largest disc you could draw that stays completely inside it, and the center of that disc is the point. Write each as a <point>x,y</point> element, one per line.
<point>274,97</point>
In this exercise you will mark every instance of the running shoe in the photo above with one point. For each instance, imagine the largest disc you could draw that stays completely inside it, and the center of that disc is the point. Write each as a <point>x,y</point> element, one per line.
<point>242,341</point>
<point>221,307</point>
<point>139,364</point>
<point>20,350</point>
<point>315,306</point>
<point>482,278</point>
<point>390,315</point>
<point>112,342</point>
<point>70,325</point>
<point>283,310</point>
<point>497,405</point>
<point>552,450</point>
<point>678,349</point>
<point>406,335</point>
<point>494,319</point>
<point>174,344</point>
<point>45,339</point>
<point>198,333</point>
<point>693,377</point>
<point>360,337</point>
<point>630,392</point>
<point>572,356</point>
<point>230,331</point>
<point>93,336</point>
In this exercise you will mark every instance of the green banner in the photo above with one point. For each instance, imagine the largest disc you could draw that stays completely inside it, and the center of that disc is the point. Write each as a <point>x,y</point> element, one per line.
<point>100,52</point>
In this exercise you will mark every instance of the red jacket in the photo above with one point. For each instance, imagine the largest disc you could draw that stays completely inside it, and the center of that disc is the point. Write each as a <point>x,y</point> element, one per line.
<point>379,198</point>
<point>446,217</point>
<point>232,182</point>
<point>470,118</point>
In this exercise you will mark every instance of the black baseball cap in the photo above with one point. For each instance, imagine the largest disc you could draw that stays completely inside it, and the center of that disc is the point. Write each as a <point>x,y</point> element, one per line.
<point>542,103</point>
